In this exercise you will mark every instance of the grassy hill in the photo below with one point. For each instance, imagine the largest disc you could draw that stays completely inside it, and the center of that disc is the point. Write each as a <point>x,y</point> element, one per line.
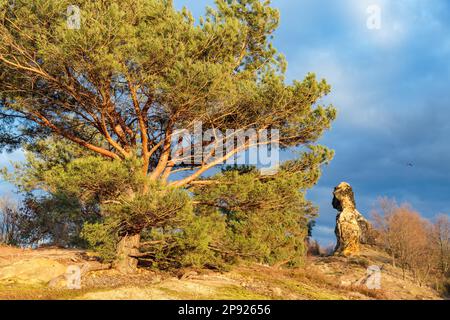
<point>36,274</point>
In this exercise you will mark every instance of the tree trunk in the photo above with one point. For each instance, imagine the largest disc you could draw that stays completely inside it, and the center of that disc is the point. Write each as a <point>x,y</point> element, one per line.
<point>127,251</point>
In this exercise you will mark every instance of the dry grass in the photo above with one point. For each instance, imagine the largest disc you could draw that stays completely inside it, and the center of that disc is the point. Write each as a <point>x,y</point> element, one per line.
<point>23,292</point>
<point>377,294</point>
<point>321,278</point>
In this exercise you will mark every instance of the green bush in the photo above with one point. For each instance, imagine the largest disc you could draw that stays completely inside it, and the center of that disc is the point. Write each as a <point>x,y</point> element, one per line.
<point>241,215</point>
<point>266,217</point>
<point>101,237</point>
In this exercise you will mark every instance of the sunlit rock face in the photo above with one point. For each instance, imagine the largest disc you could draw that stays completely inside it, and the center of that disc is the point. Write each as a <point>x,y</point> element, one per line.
<point>352,228</point>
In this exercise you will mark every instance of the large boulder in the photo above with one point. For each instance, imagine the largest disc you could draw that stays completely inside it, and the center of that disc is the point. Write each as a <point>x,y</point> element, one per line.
<point>35,271</point>
<point>60,268</point>
<point>352,229</point>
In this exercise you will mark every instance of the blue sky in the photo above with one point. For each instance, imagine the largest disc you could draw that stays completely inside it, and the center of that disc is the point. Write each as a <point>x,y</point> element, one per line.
<point>391,87</point>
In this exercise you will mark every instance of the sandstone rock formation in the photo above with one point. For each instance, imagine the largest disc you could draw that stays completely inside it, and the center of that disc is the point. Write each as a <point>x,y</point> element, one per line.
<point>352,228</point>
<point>42,267</point>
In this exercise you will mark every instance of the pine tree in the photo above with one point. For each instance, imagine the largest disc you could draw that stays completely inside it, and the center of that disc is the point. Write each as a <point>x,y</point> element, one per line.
<point>134,73</point>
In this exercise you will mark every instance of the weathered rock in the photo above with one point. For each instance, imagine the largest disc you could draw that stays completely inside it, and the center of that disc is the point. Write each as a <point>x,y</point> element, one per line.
<point>33,271</point>
<point>352,228</point>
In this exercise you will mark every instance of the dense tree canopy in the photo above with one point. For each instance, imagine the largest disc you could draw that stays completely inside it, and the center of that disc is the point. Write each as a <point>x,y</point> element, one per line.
<point>97,107</point>
<point>137,70</point>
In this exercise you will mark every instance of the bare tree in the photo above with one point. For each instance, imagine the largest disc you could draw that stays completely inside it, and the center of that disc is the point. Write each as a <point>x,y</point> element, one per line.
<point>441,242</point>
<point>406,236</point>
<point>9,221</point>
<point>385,235</point>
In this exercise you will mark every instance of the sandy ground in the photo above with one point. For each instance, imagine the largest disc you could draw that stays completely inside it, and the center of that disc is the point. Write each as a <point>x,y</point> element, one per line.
<point>26,274</point>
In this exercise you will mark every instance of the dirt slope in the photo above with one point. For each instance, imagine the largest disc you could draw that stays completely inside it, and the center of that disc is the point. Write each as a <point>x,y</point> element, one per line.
<point>26,274</point>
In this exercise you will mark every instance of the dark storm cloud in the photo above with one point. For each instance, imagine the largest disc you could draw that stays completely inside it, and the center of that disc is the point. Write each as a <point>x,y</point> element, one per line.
<point>393,96</point>
<point>392,89</point>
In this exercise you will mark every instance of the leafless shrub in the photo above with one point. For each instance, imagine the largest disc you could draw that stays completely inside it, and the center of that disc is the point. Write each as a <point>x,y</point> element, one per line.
<point>313,248</point>
<point>440,234</point>
<point>9,221</point>
<point>407,237</point>
<point>440,239</point>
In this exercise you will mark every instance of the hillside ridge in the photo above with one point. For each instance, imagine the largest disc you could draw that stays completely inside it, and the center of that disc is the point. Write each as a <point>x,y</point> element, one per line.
<point>30,274</point>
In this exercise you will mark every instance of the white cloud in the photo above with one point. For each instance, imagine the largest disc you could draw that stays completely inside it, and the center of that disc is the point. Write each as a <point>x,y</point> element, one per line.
<point>323,230</point>
<point>401,20</point>
<point>351,91</point>
<point>393,25</point>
